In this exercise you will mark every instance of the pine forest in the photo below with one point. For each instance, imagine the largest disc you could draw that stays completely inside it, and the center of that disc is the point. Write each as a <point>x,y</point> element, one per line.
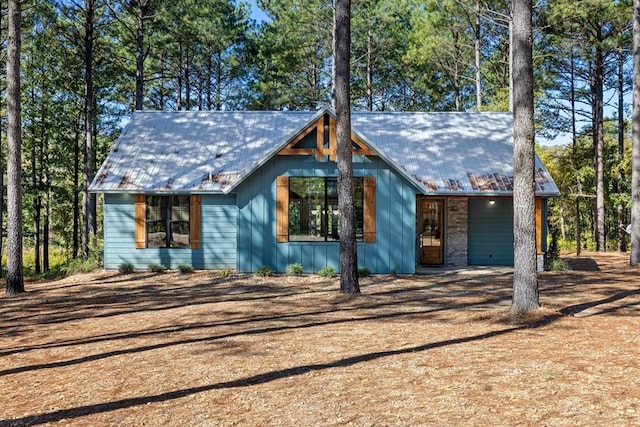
<point>86,65</point>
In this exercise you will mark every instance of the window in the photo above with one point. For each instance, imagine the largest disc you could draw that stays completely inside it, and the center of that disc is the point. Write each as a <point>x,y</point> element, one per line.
<point>313,213</point>
<point>167,221</point>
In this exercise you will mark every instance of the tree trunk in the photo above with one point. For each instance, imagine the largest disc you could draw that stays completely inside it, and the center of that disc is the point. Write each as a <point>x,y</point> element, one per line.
<point>45,234</point>
<point>37,246</point>
<point>369,72</point>
<point>179,88</point>
<point>334,49</point>
<point>15,278</point>
<point>187,78</point>
<point>219,81</point>
<point>477,48</point>
<point>1,200</point>
<point>36,206</point>
<point>525,281</point>
<point>574,157</point>
<point>622,238</point>
<point>89,199</point>
<point>511,88</point>
<point>598,144</point>
<point>140,17</point>
<point>342,57</point>
<point>635,137</point>
<point>76,194</point>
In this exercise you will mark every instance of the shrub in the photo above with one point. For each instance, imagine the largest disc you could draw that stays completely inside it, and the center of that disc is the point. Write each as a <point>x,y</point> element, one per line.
<point>264,271</point>
<point>226,272</point>
<point>125,268</point>
<point>156,268</point>
<point>295,269</point>
<point>364,272</point>
<point>326,272</point>
<point>185,268</point>
<point>557,265</point>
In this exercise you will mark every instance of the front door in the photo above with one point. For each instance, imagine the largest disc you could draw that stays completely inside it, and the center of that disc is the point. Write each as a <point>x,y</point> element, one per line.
<point>431,229</point>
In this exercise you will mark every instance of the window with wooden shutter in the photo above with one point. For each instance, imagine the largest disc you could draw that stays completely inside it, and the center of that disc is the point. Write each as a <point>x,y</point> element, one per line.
<point>167,221</point>
<point>282,209</point>
<point>140,218</point>
<point>369,209</point>
<point>195,220</point>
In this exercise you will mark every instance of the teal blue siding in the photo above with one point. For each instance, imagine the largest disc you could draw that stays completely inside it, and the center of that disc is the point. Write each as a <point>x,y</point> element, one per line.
<point>490,228</point>
<point>393,251</point>
<point>218,239</point>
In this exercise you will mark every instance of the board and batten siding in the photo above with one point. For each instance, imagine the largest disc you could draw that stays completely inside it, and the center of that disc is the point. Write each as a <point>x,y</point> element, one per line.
<point>218,243</point>
<point>392,251</point>
<point>490,228</point>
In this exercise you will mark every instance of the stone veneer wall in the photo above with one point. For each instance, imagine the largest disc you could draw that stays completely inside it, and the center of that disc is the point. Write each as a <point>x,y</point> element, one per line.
<point>457,215</point>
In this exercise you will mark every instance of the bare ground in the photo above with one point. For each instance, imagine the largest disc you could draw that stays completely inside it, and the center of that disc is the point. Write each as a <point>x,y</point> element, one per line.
<point>203,350</point>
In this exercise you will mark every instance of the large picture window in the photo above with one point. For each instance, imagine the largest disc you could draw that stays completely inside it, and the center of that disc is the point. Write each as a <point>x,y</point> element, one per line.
<point>313,209</point>
<point>167,221</point>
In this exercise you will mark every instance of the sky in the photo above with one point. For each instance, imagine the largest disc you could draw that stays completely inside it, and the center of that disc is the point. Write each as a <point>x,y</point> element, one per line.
<point>256,12</point>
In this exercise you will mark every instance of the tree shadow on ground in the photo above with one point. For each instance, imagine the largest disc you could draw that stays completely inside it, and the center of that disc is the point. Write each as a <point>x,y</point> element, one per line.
<point>418,298</point>
<point>71,413</point>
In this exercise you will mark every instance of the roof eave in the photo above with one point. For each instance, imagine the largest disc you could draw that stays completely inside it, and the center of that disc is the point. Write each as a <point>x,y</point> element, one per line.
<point>273,152</point>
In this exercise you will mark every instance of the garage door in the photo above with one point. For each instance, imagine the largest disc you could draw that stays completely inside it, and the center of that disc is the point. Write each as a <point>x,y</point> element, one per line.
<point>490,240</point>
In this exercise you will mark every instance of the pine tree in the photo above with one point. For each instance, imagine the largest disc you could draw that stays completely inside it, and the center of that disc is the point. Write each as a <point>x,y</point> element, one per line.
<point>525,280</point>
<point>15,274</point>
<point>348,249</point>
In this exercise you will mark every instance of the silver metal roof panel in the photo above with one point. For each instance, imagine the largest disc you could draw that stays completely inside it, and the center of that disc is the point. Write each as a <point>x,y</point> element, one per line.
<point>211,152</point>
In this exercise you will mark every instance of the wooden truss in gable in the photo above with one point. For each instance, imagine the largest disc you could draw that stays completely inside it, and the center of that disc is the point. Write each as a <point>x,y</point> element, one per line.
<point>325,129</point>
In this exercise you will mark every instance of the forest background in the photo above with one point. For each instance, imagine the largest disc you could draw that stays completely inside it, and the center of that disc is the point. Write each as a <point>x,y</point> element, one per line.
<point>88,64</point>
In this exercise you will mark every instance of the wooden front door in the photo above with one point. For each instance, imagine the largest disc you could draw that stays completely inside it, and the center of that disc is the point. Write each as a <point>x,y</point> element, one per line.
<point>431,229</point>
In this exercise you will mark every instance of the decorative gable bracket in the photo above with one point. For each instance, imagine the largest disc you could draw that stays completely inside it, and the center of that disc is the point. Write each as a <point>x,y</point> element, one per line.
<point>325,143</point>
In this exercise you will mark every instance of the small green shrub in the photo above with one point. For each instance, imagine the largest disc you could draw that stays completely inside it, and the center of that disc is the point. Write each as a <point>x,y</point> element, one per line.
<point>326,272</point>
<point>295,269</point>
<point>364,272</point>
<point>226,272</point>
<point>557,265</point>
<point>156,268</point>
<point>125,268</point>
<point>185,268</point>
<point>264,271</point>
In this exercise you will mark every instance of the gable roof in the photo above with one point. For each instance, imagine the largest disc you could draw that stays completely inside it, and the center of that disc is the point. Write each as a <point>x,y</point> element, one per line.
<point>213,151</point>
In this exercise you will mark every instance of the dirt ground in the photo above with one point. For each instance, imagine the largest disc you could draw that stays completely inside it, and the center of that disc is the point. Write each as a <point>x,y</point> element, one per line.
<point>202,350</point>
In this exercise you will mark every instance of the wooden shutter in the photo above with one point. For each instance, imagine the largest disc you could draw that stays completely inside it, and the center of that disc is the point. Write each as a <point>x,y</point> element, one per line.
<point>140,220</point>
<point>282,209</point>
<point>539,225</point>
<point>369,209</point>
<point>195,221</point>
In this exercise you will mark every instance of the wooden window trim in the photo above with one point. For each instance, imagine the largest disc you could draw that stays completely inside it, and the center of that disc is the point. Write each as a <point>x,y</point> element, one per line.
<point>140,221</point>
<point>140,213</point>
<point>369,209</point>
<point>282,209</point>
<point>195,221</point>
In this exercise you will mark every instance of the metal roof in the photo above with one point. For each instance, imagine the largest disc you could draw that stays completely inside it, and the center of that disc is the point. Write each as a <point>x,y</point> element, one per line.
<point>455,153</point>
<point>213,151</point>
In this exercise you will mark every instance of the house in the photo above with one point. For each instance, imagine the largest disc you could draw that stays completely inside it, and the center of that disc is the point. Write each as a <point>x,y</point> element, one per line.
<point>244,189</point>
